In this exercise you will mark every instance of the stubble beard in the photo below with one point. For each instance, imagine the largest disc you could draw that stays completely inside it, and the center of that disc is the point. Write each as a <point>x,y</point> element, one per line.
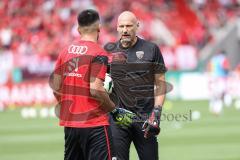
<point>126,42</point>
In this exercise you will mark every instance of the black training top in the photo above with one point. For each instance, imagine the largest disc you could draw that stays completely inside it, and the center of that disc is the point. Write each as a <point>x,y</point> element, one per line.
<point>133,78</point>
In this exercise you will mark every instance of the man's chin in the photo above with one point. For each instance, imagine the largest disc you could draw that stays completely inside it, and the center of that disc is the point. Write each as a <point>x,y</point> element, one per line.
<point>126,42</point>
<point>126,39</point>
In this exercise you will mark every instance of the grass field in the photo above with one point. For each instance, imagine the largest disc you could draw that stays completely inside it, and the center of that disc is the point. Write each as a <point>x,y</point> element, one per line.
<point>208,138</point>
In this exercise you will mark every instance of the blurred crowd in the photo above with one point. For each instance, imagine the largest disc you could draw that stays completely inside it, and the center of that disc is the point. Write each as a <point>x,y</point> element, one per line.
<point>32,32</point>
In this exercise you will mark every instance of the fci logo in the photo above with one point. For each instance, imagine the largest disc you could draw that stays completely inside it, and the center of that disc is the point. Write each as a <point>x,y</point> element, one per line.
<point>74,49</point>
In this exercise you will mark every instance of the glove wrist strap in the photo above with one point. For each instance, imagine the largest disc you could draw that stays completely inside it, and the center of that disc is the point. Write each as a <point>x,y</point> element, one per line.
<point>114,111</point>
<point>158,109</point>
<point>157,112</point>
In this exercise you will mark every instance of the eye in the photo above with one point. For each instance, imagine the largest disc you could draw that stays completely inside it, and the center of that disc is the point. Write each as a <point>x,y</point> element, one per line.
<point>120,26</point>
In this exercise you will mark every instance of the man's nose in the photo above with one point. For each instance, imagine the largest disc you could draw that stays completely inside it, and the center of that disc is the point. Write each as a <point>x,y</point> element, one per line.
<point>125,30</point>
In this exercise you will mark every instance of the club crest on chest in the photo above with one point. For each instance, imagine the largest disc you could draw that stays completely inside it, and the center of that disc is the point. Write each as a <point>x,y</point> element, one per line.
<point>139,54</point>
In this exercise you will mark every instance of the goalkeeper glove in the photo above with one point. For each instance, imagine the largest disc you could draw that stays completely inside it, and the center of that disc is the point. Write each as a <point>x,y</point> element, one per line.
<point>151,125</point>
<point>123,117</point>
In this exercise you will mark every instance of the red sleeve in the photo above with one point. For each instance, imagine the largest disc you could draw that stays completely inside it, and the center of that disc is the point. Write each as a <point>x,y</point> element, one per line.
<point>54,80</point>
<point>98,70</point>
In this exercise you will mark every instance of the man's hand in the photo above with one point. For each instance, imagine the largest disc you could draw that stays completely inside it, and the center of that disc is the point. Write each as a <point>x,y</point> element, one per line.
<point>151,126</point>
<point>123,117</point>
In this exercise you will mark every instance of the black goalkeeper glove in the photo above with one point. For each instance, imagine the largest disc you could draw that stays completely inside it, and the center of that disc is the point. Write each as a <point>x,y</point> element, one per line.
<point>151,126</point>
<point>123,117</point>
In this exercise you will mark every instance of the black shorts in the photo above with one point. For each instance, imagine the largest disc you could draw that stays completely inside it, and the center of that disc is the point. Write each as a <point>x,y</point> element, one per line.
<point>88,143</point>
<point>147,149</point>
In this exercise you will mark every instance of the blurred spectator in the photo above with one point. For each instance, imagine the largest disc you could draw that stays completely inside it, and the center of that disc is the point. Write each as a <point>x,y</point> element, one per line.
<point>219,65</point>
<point>218,68</point>
<point>186,57</point>
<point>169,58</point>
<point>6,66</point>
<point>160,32</point>
<point>6,37</point>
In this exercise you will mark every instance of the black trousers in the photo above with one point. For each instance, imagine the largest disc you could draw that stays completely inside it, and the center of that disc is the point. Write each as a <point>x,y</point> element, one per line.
<point>147,149</point>
<point>88,143</point>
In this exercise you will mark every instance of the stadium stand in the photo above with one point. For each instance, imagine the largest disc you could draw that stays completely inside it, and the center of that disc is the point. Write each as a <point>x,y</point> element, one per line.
<point>32,32</point>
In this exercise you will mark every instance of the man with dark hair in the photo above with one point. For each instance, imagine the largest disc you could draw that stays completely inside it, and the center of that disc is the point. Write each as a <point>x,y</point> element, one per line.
<point>139,86</point>
<point>77,83</point>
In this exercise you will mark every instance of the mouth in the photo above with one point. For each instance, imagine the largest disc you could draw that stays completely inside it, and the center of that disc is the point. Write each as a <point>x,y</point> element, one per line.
<point>125,36</point>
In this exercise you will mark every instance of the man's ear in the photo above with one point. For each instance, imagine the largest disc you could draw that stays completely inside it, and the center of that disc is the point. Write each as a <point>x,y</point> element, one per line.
<point>118,29</point>
<point>99,27</point>
<point>79,30</point>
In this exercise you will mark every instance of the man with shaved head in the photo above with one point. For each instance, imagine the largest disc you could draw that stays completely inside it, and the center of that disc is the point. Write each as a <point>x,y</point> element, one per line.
<point>138,73</point>
<point>127,28</point>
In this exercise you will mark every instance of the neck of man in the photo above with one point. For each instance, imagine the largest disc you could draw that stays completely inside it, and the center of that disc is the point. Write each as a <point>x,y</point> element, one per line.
<point>90,37</point>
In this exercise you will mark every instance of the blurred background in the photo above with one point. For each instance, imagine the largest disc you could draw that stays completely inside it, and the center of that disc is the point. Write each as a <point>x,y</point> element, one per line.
<point>200,43</point>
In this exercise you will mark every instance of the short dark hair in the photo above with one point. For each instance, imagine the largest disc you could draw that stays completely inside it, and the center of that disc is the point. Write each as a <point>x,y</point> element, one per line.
<point>87,17</point>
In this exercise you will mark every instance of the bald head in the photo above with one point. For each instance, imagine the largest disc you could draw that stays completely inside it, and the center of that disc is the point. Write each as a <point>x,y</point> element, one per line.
<point>127,16</point>
<point>127,28</point>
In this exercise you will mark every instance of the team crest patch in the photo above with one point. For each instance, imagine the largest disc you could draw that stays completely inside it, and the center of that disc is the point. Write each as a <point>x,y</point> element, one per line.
<point>139,54</point>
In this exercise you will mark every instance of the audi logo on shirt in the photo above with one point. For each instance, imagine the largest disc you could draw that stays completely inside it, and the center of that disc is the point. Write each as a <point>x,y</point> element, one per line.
<point>74,49</point>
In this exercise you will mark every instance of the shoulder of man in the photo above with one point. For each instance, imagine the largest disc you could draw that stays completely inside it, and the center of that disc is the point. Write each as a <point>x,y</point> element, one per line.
<point>100,55</point>
<point>148,43</point>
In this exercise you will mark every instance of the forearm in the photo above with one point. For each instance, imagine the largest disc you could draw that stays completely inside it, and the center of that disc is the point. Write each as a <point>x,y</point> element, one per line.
<point>159,100</point>
<point>106,103</point>
<point>160,90</point>
<point>97,91</point>
<point>55,82</point>
<point>57,96</point>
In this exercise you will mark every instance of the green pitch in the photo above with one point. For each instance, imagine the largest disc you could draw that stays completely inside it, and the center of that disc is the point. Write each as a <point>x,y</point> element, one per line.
<point>181,138</point>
